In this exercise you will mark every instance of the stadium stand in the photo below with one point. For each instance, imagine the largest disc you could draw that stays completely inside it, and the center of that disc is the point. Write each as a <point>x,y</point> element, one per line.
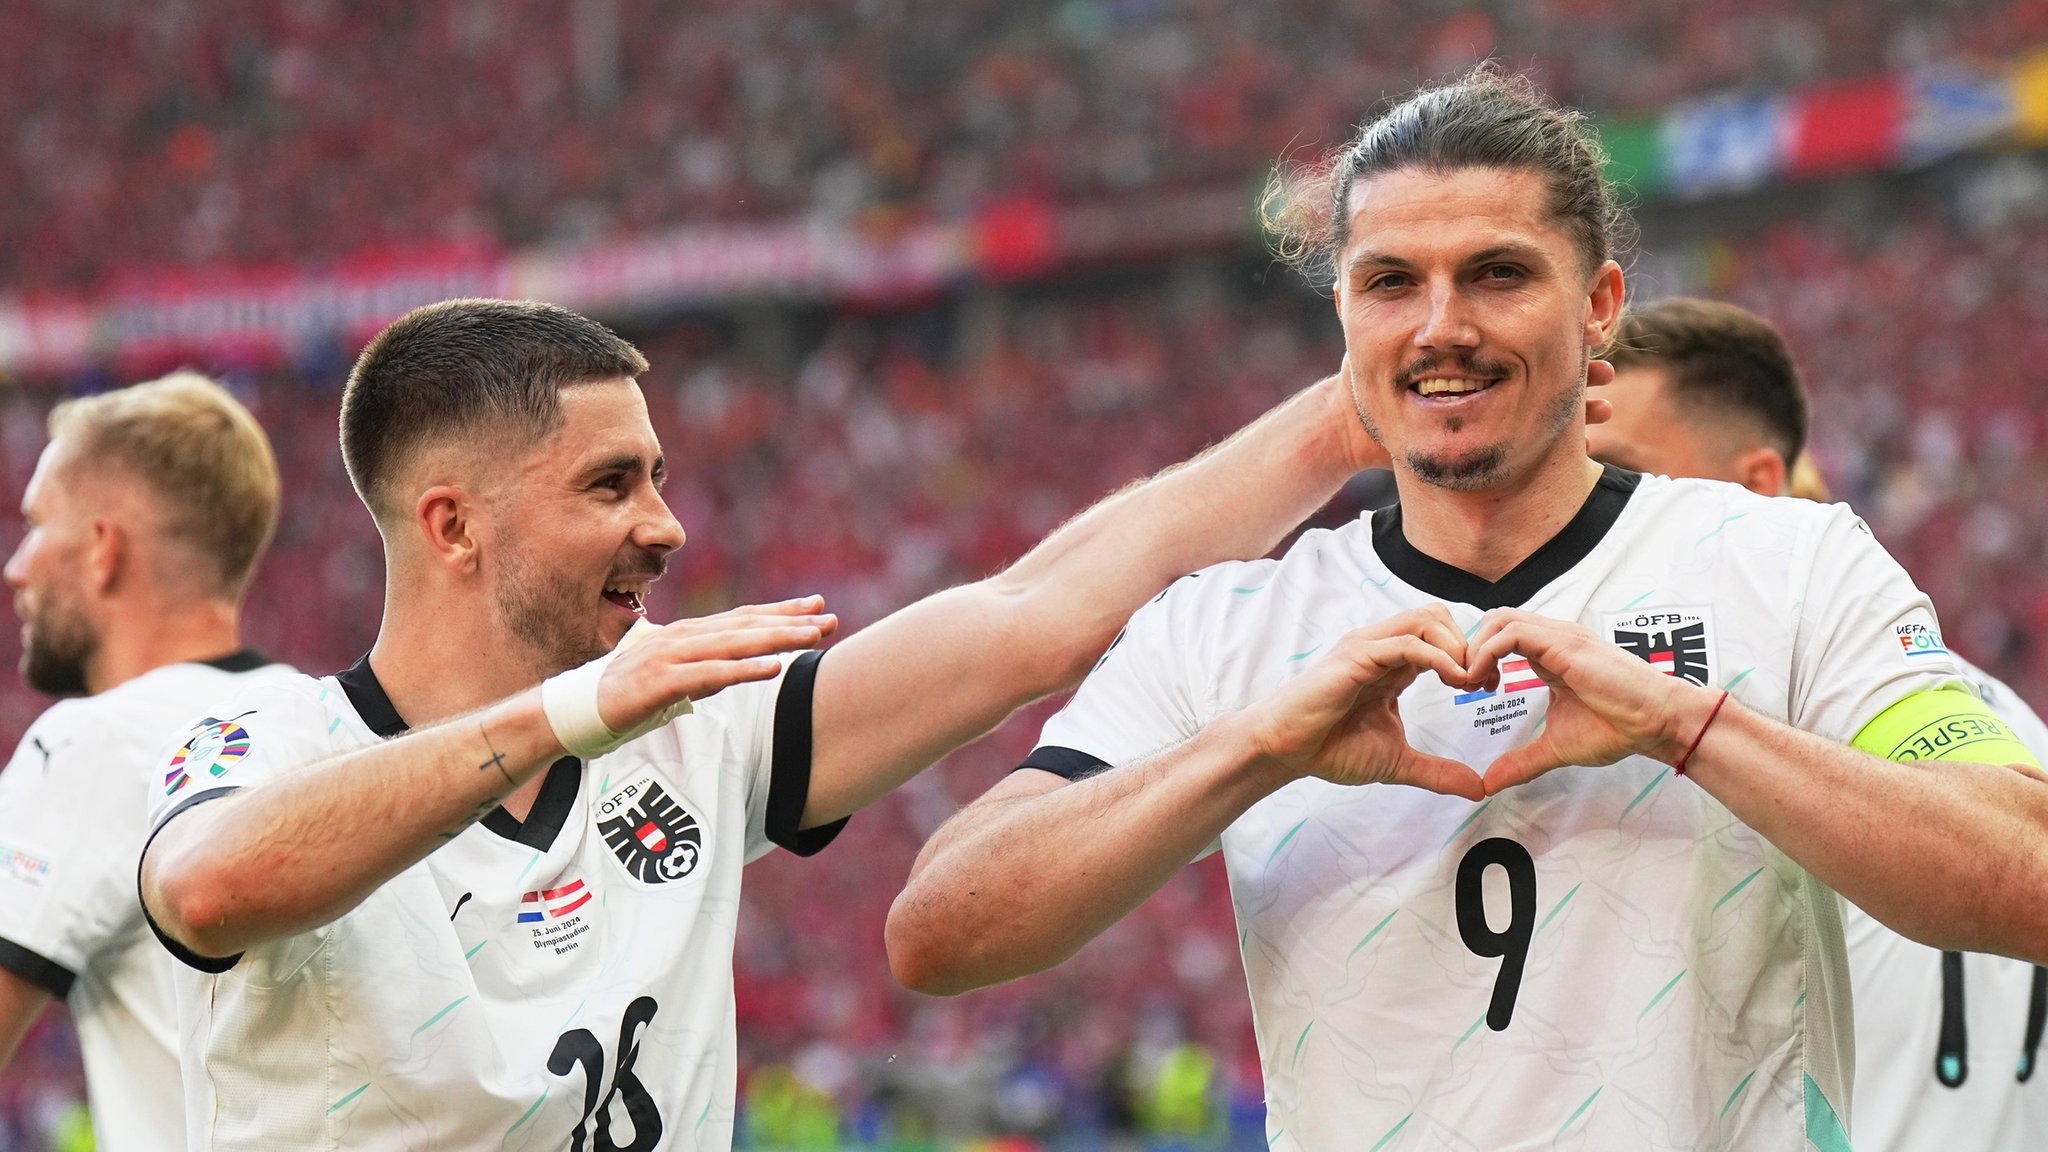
<point>309,132</point>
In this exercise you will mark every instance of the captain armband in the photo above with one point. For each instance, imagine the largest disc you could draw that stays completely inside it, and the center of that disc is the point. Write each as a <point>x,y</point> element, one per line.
<point>1943,724</point>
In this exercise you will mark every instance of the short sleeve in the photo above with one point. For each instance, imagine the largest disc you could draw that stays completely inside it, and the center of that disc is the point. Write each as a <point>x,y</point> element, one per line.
<point>1141,697</point>
<point>768,733</point>
<point>70,831</point>
<point>257,736</point>
<point>263,734</point>
<point>1865,637</point>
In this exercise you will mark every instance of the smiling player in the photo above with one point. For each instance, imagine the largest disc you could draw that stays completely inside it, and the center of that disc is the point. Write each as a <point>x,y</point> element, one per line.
<point>1578,947</point>
<point>429,905</point>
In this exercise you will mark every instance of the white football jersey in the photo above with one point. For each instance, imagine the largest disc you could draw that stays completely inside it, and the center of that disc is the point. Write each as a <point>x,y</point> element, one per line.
<point>74,808</point>
<point>1603,958</point>
<point>561,983</point>
<point>1947,1042</point>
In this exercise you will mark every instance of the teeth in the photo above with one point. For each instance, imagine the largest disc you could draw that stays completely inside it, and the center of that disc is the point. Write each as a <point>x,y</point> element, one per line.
<point>1441,387</point>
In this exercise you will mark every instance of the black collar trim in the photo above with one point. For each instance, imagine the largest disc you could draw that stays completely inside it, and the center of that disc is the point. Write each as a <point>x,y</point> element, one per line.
<point>246,660</point>
<point>557,793</point>
<point>1573,543</point>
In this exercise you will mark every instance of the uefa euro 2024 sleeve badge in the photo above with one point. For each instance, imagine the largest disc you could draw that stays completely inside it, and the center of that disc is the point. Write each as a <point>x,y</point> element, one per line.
<point>648,829</point>
<point>210,749</point>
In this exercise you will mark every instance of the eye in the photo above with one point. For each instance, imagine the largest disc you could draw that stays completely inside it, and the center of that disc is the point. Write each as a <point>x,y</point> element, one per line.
<point>612,482</point>
<point>1502,273</point>
<point>1386,282</point>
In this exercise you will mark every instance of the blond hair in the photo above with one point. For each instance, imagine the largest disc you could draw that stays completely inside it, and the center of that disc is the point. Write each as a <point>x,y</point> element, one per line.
<point>200,454</point>
<point>1805,481</point>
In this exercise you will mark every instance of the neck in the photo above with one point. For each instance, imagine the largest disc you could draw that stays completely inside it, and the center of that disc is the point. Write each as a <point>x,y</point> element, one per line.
<point>141,638</point>
<point>438,657</point>
<point>1489,532</point>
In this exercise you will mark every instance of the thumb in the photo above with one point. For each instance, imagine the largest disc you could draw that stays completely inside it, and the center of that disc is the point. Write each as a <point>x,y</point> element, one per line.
<point>1437,774</point>
<point>1521,765</point>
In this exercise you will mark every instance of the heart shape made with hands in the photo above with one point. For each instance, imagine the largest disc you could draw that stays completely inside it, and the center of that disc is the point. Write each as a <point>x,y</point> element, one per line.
<point>1340,719</point>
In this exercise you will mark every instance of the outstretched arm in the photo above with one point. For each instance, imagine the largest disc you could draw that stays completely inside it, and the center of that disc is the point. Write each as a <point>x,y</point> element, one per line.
<point>1022,878</point>
<point>300,851</point>
<point>897,696</point>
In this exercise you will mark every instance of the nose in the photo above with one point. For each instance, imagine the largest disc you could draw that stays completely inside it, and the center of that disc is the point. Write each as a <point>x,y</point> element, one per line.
<point>1449,322</point>
<point>659,530</point>
<point>16,572</point>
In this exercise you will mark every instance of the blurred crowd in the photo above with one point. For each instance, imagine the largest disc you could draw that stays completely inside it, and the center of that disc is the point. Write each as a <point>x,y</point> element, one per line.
<point>304,132</point>
<point>875,459</point>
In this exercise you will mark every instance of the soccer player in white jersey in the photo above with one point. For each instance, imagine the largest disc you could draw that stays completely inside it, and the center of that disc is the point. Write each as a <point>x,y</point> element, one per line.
<point>1548,938</point>
<point>413,921</point>
<point>1946,1042</point>
<point>145,517</point>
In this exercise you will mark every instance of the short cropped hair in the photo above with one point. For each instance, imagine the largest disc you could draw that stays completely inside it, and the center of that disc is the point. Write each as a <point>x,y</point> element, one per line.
<point>202,457</point>
<point>462,367</point>
<point>1722,359</point>
<point>1487,119</point>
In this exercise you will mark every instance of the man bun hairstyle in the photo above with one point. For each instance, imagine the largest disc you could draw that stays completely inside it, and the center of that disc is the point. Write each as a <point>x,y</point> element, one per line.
<point>1722,359</point>
<point>202,457</point>
<point>1489,118</point>
<point>467,367</point>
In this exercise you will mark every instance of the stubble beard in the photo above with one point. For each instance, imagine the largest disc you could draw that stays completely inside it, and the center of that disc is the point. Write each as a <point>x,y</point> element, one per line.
<point>1483,467</point>
<point>60,643</point>
<point>548,615</point>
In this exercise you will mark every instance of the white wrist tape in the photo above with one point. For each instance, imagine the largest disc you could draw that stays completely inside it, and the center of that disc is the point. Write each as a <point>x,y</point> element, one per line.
<point>569,701</point>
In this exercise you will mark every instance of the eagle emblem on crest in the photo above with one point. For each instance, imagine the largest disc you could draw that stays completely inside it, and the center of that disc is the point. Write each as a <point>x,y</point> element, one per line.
<point>652,835</point>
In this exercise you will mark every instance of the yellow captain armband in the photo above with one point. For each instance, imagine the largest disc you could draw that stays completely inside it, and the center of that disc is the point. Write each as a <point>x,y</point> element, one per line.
<point>1943,724</point>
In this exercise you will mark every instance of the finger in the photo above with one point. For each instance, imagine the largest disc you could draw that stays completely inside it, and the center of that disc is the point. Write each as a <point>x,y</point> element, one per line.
<point>1411,651</point>
<point>1437,774</point>
<point>736,621</point>
<point>1599,411</point>
<point>1520,765</point>
<point>709,677</point>
<point>799,606</point>
<point>739,644</point>
<point>1599,373</point>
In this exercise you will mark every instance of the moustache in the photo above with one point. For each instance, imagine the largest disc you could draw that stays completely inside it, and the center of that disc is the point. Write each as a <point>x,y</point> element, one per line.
<point>643,565</point>
<point>1433,365</point>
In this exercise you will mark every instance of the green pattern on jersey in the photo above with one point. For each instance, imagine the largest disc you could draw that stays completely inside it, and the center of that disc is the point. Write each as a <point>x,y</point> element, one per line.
<point>1823,1128</point>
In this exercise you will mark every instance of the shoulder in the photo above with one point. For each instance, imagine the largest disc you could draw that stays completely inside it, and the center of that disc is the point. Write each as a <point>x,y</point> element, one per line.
<point>1720,502</point>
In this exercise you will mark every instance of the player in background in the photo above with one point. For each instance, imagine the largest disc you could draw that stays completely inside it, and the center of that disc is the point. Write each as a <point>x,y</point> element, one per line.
<point>434,905</point>
<point>1946,1042</point>
<point>1548,937</point>
<point>145,517</point>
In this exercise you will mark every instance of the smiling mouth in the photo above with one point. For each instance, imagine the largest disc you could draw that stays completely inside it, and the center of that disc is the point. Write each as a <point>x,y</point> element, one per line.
<point>631,597</point>
<point>1451,387</point>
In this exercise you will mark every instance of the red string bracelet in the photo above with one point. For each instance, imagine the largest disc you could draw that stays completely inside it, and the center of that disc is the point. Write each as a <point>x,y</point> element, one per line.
<point>1679,768</point>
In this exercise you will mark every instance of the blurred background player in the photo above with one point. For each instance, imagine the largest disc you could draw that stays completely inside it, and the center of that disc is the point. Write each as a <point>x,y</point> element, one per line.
<point>147,513</point>
<point>1946,1042</point>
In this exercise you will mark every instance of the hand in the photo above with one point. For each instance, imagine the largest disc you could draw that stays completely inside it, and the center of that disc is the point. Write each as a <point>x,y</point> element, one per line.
<point>1599,374</point>
<point>693,659</point>
<point>1367,453</point>
<point>1341,719</point>
<point>1605,704</point>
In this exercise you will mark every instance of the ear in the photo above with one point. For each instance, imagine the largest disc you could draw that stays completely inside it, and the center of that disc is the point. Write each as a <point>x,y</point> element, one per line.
<point>1605,297</point>
<point>447,516</point>
<point>1762,471</point>
<point>106,558</point>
